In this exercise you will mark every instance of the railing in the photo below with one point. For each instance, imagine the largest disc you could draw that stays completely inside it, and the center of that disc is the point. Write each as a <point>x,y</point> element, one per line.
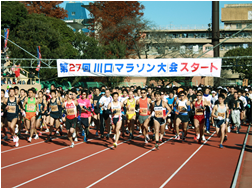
<point>23,81</point>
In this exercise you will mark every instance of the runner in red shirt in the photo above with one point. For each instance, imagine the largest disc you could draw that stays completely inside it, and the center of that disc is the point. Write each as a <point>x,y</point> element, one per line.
<point>71,113</point>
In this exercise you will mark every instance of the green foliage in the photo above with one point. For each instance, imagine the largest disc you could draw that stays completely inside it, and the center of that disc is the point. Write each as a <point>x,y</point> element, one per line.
<point>12,13</point>
<point>56,41</point>
<point>164,80</point>
<point>240,65</point>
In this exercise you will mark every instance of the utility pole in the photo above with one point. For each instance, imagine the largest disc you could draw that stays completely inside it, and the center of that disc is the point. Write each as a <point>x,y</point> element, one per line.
<point>215,27</point>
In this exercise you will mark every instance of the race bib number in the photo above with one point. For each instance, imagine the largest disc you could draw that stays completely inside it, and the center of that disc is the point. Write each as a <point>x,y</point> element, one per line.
<point>180,108</point>
<point>12,109</point>
<point>221,115</point>
<point>144,111</point>
<point>116,112</point>
<point>199,111</point>
<point>54,108</point>
<point>131,110</point>
<point>159,114</point>
<point>70,111</point>
<point>30,107</point>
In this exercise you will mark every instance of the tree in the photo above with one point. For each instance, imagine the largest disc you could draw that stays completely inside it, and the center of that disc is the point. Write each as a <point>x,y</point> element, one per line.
<point>112,21</point>
<point>51,34</point>
<point>89,48</point>
<point>12,14</point>
<point>240,65</point>
<point>48,8</point>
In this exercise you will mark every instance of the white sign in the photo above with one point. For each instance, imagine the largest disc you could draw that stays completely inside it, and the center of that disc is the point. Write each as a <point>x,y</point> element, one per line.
<point>185,67</point>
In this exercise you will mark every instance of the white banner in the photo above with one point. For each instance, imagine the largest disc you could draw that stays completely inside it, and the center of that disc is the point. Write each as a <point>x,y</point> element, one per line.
<point>179,67</point>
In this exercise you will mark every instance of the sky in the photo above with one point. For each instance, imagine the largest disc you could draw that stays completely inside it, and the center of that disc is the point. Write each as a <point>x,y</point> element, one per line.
<point>175,14</point>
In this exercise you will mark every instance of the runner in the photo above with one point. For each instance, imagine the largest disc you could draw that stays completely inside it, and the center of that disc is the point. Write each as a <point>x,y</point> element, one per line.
<point>199,117</point>
<point>40,109</point>
<point>85,106</point>
<point>220,114</point>
<point>54,113</point>
<point>114,109</point>
<point>71,114</point>
<point>207,100</point>
<point>191,97</point>
<point>12,114</point>
<point>143,104</point>
<point>104,102</point>
<point>183,106</point>
<point>96,113</point>
<point>170,117</point>
<point>123,98</point>
<point>159,107</point>
<point>3,115</point>
<point>236,109</point>
<point>130,104</point>
<point>31,109</point>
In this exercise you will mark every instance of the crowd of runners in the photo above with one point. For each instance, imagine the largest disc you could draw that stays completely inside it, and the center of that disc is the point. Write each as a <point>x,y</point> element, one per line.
<point>126,111</point>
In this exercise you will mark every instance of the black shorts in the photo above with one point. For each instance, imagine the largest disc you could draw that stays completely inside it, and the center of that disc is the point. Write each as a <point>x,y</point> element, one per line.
<point>71,123</point>
<point>55,116</point>
<point>137,115</point>
<point>161,121</point>
<point>115,120</point>
<point>10,117</point>
<point>171,117</point>
<point>218,123</point>
<point>105,116</point>
<point>85,122</point>
<point>151,122</point>
<point>183,118</point>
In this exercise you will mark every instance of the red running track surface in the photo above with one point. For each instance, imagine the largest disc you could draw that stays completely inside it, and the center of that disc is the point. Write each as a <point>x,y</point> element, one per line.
<point>131,164</point>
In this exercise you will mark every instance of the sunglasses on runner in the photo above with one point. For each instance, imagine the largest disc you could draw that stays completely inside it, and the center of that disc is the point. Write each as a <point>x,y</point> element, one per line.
<point>182,95</point>
<point>143,92</point>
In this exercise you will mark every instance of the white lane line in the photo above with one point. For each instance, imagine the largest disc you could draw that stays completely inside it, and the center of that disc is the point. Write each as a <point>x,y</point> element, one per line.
<point>68,164</point>
<point>185,163</point>
<point>67,147</point>
<point>26,146</point>
<point>126,164</point>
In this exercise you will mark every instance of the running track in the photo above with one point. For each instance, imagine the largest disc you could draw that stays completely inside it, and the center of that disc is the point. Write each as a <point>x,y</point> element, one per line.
<point>131,164</point>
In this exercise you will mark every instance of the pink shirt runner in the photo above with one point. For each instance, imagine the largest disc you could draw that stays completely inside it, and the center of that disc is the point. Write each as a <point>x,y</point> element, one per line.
<point>87,104</point>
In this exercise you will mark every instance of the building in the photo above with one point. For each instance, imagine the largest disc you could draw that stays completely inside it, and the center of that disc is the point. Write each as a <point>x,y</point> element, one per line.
<point>77,17</point>
<point>174,42</point>
<point>191,42</point>
<point>236,16</point>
